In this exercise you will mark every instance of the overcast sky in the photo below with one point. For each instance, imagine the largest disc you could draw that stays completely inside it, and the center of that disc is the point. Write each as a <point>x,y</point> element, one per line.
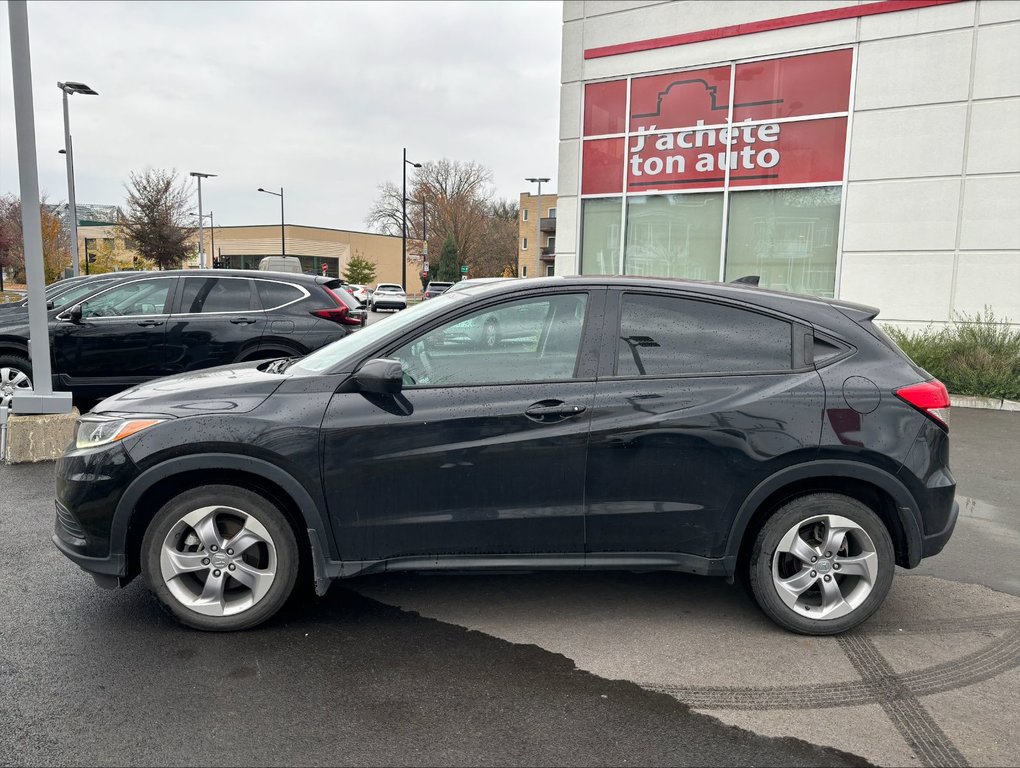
<point>316,97</point>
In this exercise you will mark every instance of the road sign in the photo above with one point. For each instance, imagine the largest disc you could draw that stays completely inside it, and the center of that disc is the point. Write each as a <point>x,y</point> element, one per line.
<point>425,268</point>
<point>463,269</point>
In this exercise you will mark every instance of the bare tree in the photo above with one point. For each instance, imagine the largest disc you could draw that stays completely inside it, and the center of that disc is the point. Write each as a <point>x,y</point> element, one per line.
<point>158,215</point>
<point>499,242</point>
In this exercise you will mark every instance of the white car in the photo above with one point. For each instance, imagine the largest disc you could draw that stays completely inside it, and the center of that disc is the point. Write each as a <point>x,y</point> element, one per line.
<point>359,292</point>
<point>388,296</point>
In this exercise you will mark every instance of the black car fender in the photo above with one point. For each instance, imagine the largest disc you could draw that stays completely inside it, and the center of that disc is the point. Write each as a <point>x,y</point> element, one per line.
<point>316,523</point>
<point>906,507</point>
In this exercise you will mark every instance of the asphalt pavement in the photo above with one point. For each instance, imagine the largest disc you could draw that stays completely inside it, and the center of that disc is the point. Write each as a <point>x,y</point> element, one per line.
<point>542,669</point>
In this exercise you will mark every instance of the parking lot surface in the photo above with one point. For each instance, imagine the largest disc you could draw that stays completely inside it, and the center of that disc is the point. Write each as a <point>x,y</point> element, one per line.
<point>573,669</point>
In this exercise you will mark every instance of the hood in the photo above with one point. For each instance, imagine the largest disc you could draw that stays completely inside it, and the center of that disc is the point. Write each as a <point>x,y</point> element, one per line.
<point>235,388</point>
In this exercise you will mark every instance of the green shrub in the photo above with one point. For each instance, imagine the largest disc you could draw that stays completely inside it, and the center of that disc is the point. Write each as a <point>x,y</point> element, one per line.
<point>977,355</point>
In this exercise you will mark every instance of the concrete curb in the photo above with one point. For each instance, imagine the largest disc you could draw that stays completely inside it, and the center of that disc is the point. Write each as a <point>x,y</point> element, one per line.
<point>987,403</point>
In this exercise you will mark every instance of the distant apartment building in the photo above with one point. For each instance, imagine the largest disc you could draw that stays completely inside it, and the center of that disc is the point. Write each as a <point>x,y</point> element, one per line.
<point>536,237</point>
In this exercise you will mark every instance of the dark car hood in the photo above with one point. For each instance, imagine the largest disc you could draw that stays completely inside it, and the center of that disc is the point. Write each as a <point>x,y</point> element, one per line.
<point>235,388</point>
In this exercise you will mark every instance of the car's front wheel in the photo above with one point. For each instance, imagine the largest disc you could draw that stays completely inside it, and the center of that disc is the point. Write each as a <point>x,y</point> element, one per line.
<point>220,558</point>
<point>15,376</point>
<point>822,564</point>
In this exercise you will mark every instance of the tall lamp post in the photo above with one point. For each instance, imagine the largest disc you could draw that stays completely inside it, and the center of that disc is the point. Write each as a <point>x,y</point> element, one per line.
<point>201,232</point>
<point>283,239</point>
<point>212,231</point>
<point>424,240</point>
<point>403,229</point>
<point>69,88</point>
<point>538,219</point>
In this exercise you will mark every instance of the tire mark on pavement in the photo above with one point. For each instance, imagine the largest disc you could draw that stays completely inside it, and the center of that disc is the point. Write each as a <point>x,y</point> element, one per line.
<point>911,719</point>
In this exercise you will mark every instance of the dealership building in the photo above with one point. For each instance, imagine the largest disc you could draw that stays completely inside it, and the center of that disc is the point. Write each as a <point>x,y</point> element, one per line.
<point>868,151</point>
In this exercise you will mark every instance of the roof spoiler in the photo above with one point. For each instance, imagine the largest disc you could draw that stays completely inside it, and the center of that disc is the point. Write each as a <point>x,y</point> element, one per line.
<point>748,280</point>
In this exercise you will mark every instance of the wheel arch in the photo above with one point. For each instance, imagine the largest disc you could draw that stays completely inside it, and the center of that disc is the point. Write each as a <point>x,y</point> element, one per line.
<point>872,486</point>
<point>13,347</point>
<point>154,487</point>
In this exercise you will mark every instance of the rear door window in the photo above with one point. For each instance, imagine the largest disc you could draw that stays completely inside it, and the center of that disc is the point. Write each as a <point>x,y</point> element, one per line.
<point>274,294</point>
<point>671,336</point>
<point>208,295</point>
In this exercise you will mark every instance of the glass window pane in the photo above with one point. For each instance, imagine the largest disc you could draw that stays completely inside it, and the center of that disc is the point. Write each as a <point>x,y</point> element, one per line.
<point>796,85</point>
<point>602,167</point>
<point>680,99</point>
<point>674,235</point>
<point>803,152</point>
<point>665,336</point>
<point>145,297</point>
<point>787,236</point>
<point>275,295</point>
<point>600,236</point>
<point>215,294</point>
<point>526,340</point>
<point>605,105</point>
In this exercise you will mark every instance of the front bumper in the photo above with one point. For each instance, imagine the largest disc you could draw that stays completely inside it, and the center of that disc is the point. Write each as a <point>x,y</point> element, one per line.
<point>89,486</point>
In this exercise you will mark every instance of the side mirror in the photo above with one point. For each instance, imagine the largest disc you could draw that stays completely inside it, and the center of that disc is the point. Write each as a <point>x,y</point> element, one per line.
<point>49,305</point>
<point>74,314</point>
<point>381,376</point>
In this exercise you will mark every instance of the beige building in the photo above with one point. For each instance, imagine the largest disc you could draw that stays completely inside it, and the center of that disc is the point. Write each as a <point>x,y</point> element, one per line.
<point>243,247</point>
<point>536,240</point>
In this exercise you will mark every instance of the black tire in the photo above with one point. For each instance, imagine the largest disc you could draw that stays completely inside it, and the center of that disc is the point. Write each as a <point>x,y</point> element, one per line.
<point>259,508</point>
<point>796,513</point>
<point>18,363</point>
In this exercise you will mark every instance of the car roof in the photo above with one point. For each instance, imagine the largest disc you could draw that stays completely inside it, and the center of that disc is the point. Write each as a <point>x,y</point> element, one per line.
<point>249,273</point>
<point>793,303</point>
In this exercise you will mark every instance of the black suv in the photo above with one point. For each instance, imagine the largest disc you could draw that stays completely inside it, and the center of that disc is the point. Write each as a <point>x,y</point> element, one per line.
<point>126,329</point>
<point>624,423</point>
<point>434,289</point>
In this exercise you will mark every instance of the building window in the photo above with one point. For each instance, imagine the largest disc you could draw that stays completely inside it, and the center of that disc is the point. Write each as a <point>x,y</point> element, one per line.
<point>524,214</point>
<point>765,141</point>
<point>600,236</point>
<point>550,270</point>
<point>551,242</point>
<point>524,270</point>
<point>524,243</point>
<point>552,213</point>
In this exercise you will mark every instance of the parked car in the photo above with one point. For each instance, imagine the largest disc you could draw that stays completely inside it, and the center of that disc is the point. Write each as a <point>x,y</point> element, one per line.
<point>697,427</point>
<point>388,296</point>
<point>359,292</point>
<point>153,324</point>
<point>65,290</point>
<point>471,282</point>
<point>435,288</point>
<point>288,264</point>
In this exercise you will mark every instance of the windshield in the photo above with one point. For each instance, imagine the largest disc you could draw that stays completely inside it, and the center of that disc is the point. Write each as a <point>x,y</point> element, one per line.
<point>79,291</point>
<point>356,343</point>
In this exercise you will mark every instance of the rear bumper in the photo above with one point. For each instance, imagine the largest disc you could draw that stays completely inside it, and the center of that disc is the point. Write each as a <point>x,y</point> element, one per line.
<point>933,544</point>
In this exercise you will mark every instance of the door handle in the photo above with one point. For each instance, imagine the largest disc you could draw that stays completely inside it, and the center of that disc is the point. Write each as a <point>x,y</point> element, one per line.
<point>553,410</point>
<point>242,321</point>
<point>150,323</point>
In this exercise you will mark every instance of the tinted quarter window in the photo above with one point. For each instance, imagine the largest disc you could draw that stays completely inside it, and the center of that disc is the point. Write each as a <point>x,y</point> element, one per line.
<point>666,336</point>
<point>144,297</point>
<point>275,294</point>
<point>216,294</point>
<point>533,339</point>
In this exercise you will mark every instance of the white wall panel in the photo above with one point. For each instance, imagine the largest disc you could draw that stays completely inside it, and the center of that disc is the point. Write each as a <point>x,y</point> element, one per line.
<point>573,9</point>
<point>914,70</point>
<point>572,54</point>
<point>919,21</point>
<point>991,213</point>
<point>999,10</point>
<point>901,143</point>
<point>566,230</point>
<point>568,180</point>
<point>901,215</point>
<point>994,145</point>
<point>991,279</point>
<point>997,66</point>
<point>878,279</point>
<point>570,110</point>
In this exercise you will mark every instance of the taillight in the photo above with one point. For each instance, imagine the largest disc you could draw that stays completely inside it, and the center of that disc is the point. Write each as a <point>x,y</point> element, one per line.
<point>929,397</point>
<point>341,313</point>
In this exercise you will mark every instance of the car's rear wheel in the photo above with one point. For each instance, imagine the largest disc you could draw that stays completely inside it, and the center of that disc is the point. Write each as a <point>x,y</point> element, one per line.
<point>822,564</point>
<point>220,558</point>
<point>15,376</point>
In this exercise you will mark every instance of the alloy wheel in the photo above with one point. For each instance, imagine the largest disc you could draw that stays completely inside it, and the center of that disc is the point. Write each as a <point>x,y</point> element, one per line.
<point>825,567</point>
<point>12,380</point>
<point>218,561</point>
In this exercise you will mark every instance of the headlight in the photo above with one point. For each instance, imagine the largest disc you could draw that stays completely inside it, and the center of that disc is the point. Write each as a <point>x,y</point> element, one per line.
<point>93,432</point>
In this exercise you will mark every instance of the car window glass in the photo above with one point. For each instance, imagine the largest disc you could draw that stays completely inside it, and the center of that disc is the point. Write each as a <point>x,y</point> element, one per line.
<point>275,295</point>
<point>144,297</point>
<point>665,336</point>
<point>215,294</point>
<point>73,294</point>
<point>535,339</point>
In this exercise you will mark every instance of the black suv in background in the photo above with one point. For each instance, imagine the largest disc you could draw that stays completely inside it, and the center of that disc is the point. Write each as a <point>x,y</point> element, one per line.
<point>635,424</point>
<point>139,326</point>
<point>434,289</point>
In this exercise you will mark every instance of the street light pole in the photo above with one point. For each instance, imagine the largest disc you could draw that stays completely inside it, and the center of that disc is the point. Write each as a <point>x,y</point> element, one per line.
<point>72,211</point>
<point>283,239</point>
<point>538,218</point>
<point>403,229</point>
<point>201,222</point>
